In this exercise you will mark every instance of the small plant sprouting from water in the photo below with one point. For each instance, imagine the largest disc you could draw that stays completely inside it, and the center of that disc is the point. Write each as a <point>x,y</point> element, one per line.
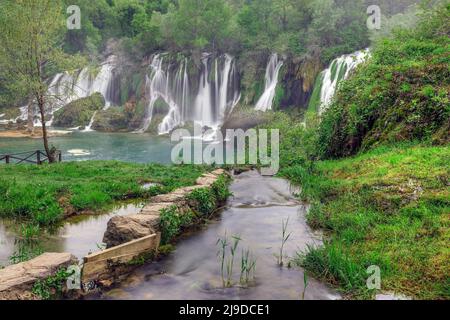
<point>284,238</point>
<point>248,267</point>
<point>230,261</point>
<point>227,259</point>
<point>29,231</point>
<point>305,284</point>
<point>223,244</point>
<point>26,250</point>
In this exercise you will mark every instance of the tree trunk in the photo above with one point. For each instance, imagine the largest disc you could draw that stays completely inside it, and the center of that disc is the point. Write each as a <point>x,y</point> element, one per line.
<point>49,153</point>
<point>30,121</point>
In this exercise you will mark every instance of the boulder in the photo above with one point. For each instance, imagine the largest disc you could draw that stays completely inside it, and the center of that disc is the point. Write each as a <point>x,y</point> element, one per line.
<point>78,113</point>
<point>111,120</point>
<point>16,281</point>
<point>122,229</point>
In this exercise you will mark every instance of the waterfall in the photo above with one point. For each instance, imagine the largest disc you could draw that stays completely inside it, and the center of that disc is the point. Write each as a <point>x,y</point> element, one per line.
<point>65,88</point>
<point>273,68</point>
<point>216,95</point>
<point>339,70</point>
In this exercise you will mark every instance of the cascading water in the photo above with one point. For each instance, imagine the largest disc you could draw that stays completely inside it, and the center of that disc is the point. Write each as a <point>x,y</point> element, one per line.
<point>339,70</point>
<point>65,88</point>
<point>273,68</point>
<point>216,96</point>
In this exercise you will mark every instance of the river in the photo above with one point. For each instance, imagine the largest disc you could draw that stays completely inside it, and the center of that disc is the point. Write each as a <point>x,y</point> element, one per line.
<point>255,213</point>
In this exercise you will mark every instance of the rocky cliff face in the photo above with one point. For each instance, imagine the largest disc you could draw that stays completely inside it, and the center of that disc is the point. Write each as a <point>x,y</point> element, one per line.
<point>298,80</point>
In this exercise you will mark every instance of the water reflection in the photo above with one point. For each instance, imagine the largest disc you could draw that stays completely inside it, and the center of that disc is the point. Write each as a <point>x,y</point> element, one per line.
<point>78,235</point>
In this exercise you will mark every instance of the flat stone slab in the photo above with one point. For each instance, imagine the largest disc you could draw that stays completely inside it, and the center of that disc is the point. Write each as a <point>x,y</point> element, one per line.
<point>153,209</point>
<point>16,280</point>
<point>122,229</point>
<point>170,198</point>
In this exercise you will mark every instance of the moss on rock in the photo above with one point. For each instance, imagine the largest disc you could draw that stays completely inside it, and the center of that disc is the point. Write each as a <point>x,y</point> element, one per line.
<point>113,119</point>
<point>79,112</point>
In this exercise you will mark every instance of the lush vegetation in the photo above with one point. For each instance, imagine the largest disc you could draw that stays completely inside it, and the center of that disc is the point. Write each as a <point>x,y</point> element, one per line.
<point>79,112</point>
<point>388,207</point>
<point>400,94</point>
<point>52,287</point>
<point>45,194</point>
<point>387,203</point>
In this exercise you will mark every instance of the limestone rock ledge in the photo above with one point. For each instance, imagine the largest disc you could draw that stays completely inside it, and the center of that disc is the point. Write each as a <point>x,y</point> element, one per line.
<point>122,229</point>
<point>16,281</point>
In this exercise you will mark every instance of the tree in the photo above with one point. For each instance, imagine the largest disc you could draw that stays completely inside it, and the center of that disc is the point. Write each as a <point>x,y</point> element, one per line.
<point>31,45</point>
<point>196,24</point>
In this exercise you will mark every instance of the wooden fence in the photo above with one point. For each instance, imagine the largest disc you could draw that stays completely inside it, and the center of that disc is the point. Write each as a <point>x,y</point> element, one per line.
<point>36,157</point>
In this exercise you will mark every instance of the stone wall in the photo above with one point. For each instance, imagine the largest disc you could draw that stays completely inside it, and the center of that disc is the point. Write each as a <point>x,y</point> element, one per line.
<point>128,238</point>
<point>16,281</point>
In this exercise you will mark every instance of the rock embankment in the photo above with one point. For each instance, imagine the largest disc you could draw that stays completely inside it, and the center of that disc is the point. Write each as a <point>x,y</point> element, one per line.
<point>122,229</point>
<point>16,281</point>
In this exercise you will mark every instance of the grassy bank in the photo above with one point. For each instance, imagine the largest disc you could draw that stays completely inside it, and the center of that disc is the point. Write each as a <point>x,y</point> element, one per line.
<point>389,207</point>
<point>46,194</point>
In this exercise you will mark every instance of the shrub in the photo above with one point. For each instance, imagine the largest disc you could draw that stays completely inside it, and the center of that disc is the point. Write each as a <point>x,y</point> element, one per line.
<point>203,200</point>
<point>172,221</point>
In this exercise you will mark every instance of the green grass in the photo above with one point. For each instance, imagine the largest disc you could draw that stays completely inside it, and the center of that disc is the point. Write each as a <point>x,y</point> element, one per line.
<point>389,207</point>
<point>45,194</point>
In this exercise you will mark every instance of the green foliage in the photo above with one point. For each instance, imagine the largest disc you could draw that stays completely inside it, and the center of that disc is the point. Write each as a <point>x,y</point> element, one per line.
<point>199,24</point>
<point>203,200</point>
<point>43,194</point>
<point>52,287</point>
<point>387,207</point>
<point>220,188</point>
<point>79,112</point>
<point>400,94</point>
<point>173,221</point>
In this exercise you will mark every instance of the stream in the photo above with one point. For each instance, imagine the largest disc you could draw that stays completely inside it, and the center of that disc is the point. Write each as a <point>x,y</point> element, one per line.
<point>255,213</point>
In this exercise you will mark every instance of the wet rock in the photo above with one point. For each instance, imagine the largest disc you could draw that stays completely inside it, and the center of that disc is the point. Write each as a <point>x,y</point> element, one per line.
<point>79,112</point>
<point>17,280</point>
<point>111,120</point>
<point>122,229</point>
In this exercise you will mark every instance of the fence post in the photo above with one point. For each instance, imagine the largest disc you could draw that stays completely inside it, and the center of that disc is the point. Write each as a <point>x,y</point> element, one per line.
<point>59,156</point>
<point>7,159</point>
<point>38,157</point>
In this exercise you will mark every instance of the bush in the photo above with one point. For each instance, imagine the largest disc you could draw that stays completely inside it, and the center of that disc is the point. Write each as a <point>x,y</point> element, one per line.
<point>389,99</point>
<point>172,221</point>
<point>203,200</point>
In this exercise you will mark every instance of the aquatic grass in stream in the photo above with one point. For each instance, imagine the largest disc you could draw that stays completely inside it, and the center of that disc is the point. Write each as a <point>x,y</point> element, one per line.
<point>227,260</point>
<point>230,263</point>
<point>248,267</point>
<point>284,238</point>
